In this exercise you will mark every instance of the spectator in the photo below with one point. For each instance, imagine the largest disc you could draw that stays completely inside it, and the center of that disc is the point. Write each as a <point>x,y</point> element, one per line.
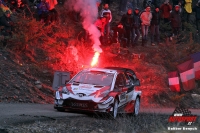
<point>43,11</point>
<point>119,35</point>
<point>166,8</point>
<point>188,10</point>
<point>100,24</point>
<point>108,15</point>
<point>196,9</point>
<point>155,23</point>
<point>145,18</point>
<point>3,8</point>
<point>122,6</point>
<point>136,26</point>
<point>175,18</point>
<point>52,11</point>
<point>127,21</point>
<point>6,21</point>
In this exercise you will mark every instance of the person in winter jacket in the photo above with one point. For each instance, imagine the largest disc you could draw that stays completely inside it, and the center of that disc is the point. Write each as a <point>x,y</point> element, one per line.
<point>52,11</point>
<point>100,24</point>
<point>155,23</point>
<point>8,24</point>
<point>136,26</point>
<point>105,12</point>
<point>165,9</point>
<point>119,34</point>
<point>175,18</point>
<point>145,18</point>
<point>6,21</point>
<point>127,21</point>
<point>43,11</point>
<point>196,9</point>
<point>188,10</point>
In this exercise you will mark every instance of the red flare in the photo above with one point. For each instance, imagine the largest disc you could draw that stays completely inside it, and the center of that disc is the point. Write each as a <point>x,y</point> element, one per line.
<point>95,59</point>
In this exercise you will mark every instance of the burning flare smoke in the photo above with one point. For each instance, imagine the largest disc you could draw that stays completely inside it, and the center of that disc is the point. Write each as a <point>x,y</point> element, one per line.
<point>89,12</point>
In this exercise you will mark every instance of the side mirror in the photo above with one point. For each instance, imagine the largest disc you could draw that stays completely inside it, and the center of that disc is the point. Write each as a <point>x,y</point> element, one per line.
<point>66,81</point>
<point>137,82</point>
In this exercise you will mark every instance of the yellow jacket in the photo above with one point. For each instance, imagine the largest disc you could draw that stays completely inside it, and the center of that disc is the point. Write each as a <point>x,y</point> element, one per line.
<point>188,6</point>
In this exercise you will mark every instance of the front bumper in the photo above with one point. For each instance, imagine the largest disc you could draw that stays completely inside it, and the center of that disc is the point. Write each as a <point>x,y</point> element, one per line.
<point>85,105</point>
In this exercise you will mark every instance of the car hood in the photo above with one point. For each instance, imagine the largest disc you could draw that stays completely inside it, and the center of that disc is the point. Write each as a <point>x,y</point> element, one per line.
<point>88,89</point>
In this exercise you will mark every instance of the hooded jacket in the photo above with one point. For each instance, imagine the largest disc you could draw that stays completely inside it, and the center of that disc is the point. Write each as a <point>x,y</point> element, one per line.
<point>175,18</point>
<point>155,18</point>
<point>166,8</point>
<point>127,20</point>
<point>136,20</point>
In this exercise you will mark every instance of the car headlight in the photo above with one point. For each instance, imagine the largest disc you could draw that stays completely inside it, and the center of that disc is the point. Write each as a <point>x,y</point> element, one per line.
<point>65,90</point>
<point>108,100</point>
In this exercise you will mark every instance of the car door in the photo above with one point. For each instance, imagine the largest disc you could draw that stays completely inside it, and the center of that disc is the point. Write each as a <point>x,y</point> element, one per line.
<point>130,87</point>
<point>121,88</point>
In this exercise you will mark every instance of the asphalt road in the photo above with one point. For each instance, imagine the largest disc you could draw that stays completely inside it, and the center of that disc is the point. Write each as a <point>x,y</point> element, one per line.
<point>11,114</point>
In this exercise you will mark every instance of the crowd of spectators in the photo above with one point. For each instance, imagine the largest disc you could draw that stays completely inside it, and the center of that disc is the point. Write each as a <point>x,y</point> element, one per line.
<point>145,20</point>
<point>44,12</point>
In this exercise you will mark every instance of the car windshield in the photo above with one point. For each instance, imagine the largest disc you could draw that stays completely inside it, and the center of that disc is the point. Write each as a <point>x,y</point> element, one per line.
<point>94,77</point>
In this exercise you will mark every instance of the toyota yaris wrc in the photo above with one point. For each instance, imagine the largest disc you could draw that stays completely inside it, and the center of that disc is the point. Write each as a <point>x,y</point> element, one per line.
<point>110,90</point>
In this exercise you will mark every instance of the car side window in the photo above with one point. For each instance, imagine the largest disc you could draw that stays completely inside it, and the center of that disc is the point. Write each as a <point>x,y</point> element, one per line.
<point>132,77</point>
<point>120,81</point>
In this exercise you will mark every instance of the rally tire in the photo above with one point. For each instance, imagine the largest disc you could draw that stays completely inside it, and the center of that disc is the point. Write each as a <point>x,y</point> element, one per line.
<point>115,109</point>
<point>136,106</point>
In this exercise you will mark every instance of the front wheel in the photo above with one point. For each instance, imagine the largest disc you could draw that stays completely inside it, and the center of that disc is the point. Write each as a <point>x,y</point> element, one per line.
<point>115,109</point>
<point>137,106</point>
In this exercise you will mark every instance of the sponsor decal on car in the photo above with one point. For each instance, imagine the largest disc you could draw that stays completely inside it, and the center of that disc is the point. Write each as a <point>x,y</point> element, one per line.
<point>85,87</point>
<point>82,105</point>
<point>75,89</point>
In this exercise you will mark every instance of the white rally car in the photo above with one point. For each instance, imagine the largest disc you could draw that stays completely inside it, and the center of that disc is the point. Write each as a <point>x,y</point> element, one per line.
<point>110,90</point>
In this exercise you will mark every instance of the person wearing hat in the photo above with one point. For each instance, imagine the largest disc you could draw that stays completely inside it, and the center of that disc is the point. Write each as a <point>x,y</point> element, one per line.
<point>136,26</point>
<point>165,9</point>
<point>175,18</point>
<point>155,24</point>
<point>145,18</point>
<point>127,21</point>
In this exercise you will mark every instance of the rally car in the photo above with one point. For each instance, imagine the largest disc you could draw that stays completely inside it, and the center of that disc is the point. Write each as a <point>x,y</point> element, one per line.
<point>110,89</point>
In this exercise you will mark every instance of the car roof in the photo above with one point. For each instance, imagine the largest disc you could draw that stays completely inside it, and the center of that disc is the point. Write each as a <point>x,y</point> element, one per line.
<point>121,69</point>
<point>101,70</point>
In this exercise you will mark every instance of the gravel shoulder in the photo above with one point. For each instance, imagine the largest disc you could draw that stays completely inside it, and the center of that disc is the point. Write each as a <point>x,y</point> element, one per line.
<point>39,117</point>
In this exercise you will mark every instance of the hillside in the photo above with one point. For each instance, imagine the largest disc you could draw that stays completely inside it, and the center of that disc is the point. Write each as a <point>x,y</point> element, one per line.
<point>37,51</point>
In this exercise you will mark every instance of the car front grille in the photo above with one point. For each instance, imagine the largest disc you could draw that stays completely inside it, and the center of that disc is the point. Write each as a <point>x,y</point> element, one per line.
<point>77,104</point>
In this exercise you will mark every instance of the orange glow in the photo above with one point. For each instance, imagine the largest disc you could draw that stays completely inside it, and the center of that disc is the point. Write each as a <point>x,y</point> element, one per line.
<point>95,59</point>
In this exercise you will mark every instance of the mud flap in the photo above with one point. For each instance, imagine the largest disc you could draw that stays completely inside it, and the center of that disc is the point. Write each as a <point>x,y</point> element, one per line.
<point>60,77</point>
